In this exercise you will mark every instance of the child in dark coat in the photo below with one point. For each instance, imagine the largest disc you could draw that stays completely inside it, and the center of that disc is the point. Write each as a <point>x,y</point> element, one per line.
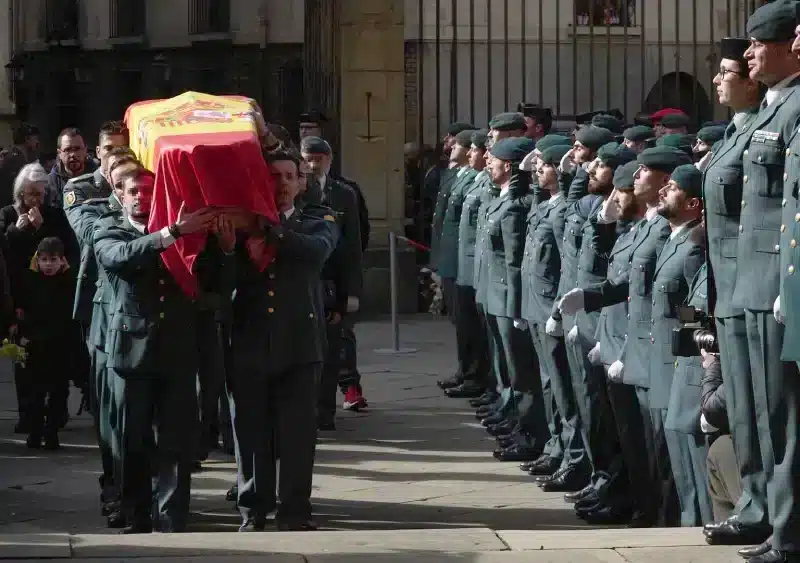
<point>50,336</point>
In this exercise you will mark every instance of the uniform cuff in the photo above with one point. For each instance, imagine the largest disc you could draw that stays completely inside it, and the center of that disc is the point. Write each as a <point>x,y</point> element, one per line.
<point>167,239</point>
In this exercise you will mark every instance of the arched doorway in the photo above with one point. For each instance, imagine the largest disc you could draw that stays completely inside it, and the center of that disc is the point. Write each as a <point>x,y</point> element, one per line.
<point>680,90</point>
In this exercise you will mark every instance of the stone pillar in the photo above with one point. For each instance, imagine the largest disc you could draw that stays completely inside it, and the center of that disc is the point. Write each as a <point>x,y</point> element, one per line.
<point>7,109</point>
<point>372,132</point>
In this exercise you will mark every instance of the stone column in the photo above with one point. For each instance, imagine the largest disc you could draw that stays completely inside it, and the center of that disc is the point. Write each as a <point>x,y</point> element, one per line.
<point>372,131</point>
<point>6,106</point>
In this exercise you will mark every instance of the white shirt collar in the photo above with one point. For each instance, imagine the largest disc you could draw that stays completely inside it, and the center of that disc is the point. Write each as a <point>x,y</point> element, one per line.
<point>651,213</point>
<point>461,170</point>
<point>677,230</point>
<point>322,181</point>
<point>774,92</point>
<point>554,198</point>
<point>288,213</point>
<point>739,119</point>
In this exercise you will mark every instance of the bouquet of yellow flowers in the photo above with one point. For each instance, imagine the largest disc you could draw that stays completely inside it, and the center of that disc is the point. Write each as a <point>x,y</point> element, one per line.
<point>14,351</point>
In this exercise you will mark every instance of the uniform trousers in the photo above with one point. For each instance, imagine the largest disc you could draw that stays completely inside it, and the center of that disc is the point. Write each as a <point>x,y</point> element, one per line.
<point>555,445</point>
<point>630,429</point>
<point>102,406</point>
<point>751,507</point>
<point>776,392</point>
<point>275,418</point>
<point>473,354</point>
<point>348,368</point>
<point>450,298</point>
<point>165,401</point>
<point>661,467</point>
<point>330,373</point>
<point>211,376</point>
<point>688,454</point>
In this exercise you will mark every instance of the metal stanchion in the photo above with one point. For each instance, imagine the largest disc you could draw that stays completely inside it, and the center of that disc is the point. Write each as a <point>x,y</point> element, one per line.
<point>395,349</point>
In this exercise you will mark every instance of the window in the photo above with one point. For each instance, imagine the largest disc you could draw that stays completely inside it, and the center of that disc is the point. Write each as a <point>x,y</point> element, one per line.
<point>128,18</point>
<point>61,21</point>
<point>604,13</point>
<point>209,16</point>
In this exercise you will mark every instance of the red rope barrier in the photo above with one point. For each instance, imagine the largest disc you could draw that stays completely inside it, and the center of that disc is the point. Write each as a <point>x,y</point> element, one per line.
<point>415,244</point>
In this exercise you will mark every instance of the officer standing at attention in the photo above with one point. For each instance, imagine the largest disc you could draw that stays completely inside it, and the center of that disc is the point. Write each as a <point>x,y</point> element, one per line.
<point>757,288</point>
<point>633,364</point>
<point>85,200</point>
<point>541,270</point>
<point>346,268</point>
<point>472,337</point>
<point>723,183</point>
<point>152,357</point>
<point>506,223</point>
<point>277,350</point>
<point>678,263</point>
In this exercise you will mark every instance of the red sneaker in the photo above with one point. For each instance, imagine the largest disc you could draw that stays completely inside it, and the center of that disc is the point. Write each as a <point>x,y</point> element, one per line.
<point>353,399</point>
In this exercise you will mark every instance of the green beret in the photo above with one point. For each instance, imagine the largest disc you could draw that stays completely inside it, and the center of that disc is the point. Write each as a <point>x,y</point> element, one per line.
<point>480,137</point>
<point>552,140</point>
<point>675,120</point>
<point>510,121</point>
<point>712,134</point>
<point>464,138</point>
<point>689,179</point>
<point>623,176</point>
<point>513,149</point>
<point>774,22</point>
<point>315,145</point>
<point>593,137</point>
<point>681,141</point>
<point>458,127</point>
<point>639,133</point>
<point>663,158</point>
<point>553,155</point>
<point>615,154</point>
<point>608,122</point>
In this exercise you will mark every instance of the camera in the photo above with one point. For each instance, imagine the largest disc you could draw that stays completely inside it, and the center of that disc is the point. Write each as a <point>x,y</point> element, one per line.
<point>697,332</point>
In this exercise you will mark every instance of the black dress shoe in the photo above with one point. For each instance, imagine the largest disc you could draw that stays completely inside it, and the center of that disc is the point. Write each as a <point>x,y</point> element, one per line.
<point>546,467</point>
<point>641,520</point>
<point>733,532</point>
<point>294,525</point>
<point>116,520</point>
<point>450,382</point>
<point>571,480</point>
<point>505,428</point>
<point>137,529</point>
<point>484,400</point>
<point>466,390</point>
<point>110,507</point>
<point>756,550</point>
<point>485,412</point>
<point>588,501</point>
<point>232,494</point>
<point>493,420</point>
<point>578,495</point>
<point>517,452</point>
<point>776,556</point>
<point>607,516</point>
<point>253,525</point>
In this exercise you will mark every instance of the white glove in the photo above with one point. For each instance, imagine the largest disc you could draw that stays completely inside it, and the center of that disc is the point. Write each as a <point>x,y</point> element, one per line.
<point>706,427</point>
<point>572,335</point>
<point>572,302</point>
<point>528,163</point>
<point>553,327</point>
<point>567,165</point>
<point>437,279</point>
<point>594,355</point>
<point>609,213</point>
<point>776,311</point>
<point>352,304</point>
<point>521,324</point>
<point>615,371</point>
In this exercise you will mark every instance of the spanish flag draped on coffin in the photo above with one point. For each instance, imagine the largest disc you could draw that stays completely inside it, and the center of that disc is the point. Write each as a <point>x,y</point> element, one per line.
<point>205,151</point>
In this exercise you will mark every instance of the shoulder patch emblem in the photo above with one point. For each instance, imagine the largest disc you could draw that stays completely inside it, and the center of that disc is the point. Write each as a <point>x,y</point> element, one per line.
<point>330,218</point>
<point>69,198</point>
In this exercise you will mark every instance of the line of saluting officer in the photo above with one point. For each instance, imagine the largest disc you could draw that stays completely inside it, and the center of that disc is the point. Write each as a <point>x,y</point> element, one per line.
<point>146,335</point>
<point>570,266</point>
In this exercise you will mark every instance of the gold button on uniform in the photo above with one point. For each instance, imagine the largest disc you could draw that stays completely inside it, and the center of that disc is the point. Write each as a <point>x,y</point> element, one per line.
<point>741,229</point>
<point>785,176</point>
<point>783,228</point>
<point>745,154</point>
<point>161,315</point>
<point>270,310</point>
<point>791,269</point>
<point>777,247</point>
<point>797,217</point>
<point>744,179</point>
<point>788,152</point>
<point>793,244</point>
<point>271,276</point>
<point>271,293</point>
<point>311,315</point>
<point>744,204</point>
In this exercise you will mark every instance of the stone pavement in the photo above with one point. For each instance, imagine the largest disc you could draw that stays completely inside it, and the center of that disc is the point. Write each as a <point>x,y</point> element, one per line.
<point>410,479</point>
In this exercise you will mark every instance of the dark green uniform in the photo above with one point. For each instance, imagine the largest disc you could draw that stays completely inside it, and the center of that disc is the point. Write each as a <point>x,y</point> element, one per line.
<point>722,192</point>
<point>86,199</point>
<point>152,363</point>
<point>541,271</point>
<point>677,265</point>
<point>685,439</point>
<point>757,287</point>
<point>277,350</point>
<point>506,223</point>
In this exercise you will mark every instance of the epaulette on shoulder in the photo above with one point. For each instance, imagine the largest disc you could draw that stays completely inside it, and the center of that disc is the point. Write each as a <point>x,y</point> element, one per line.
<point>320,212</point>
<point>110,217</point>
<point>82,178</point>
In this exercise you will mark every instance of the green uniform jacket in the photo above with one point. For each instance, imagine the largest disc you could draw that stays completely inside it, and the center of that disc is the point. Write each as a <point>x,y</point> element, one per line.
<point>447,264</point>
<point>152,320</point>
<point>85,200</point>
<point>612,326</point>
<point>506,220</point>
<point>277,320</point>
<point>468,230</point>
<point>446,181</point>
<point>488,194</point>
<point>722,193</point>
<point>790,257</point>
<point>637,290</point>
<point>677,265</point>
<point>343,200</point>
<point>541,266</point>
<point>103,294</point>
<point>758,252</point>
<point>683,413</point>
